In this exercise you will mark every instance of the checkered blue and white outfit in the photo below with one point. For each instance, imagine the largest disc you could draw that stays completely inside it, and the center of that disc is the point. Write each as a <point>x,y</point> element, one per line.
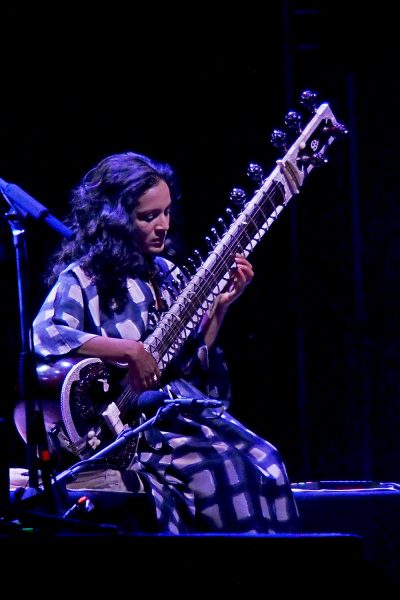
<point>201,474</point>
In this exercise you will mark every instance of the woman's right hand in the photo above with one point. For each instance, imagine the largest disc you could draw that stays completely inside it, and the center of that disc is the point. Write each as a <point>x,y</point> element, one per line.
<point>143,369</point>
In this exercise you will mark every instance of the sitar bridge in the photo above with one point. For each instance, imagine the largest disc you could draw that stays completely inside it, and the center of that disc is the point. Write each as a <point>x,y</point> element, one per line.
<point>292,176</point>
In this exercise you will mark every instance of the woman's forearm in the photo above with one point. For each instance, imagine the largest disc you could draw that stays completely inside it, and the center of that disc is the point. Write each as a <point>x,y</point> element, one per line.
<point>113,349</point>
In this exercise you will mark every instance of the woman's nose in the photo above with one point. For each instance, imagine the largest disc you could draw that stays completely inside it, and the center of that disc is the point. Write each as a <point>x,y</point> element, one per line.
<point>162,222</point>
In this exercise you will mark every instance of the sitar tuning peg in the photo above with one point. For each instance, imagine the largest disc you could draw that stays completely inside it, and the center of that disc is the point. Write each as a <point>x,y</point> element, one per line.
<point>214,234</point>
<point>238,196</point>
<point>317,159</point>
<point>230,215</point>
<point>173,291</point>
<point>192,264</point>
<point>293,121</point>
<point>309,99</point>
<point>210,245</point>
<point>222,224</point>
<point>181,281</point>
<point>177,283</point>
<point>255,173</point>
<point>187,272</point>
<point>278,139</point>
<point>198,257</point>
<point>336,129</point>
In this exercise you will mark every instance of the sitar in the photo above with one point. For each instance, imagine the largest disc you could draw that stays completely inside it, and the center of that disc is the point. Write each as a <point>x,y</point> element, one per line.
<point>95,397</point>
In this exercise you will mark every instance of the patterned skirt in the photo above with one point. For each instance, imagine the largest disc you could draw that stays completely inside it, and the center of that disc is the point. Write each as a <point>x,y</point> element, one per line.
<point>201,472</point>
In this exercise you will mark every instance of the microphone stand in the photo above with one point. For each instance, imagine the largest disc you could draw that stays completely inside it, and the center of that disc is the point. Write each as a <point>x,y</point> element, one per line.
<point>25,205</point>
<point>21,206</point>
<point>36,439</point>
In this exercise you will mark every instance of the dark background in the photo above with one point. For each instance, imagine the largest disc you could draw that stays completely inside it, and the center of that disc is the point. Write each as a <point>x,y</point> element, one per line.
<point>313,344</point>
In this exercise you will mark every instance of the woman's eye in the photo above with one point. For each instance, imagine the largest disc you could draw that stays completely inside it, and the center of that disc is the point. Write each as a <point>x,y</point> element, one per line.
<point>149,217</point>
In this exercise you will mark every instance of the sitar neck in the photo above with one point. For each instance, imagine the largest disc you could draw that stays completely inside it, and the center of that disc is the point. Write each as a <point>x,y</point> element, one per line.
<point>242,235</point>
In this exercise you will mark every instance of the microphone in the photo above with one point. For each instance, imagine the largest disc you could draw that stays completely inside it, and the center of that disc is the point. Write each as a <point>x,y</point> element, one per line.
<point>195,402</point>
<point>151,400</point>
<point>156,399</point>
<point>27,205</point>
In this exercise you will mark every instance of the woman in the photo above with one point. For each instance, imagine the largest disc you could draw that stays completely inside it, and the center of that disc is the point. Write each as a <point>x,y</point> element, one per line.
<point>202,470</point>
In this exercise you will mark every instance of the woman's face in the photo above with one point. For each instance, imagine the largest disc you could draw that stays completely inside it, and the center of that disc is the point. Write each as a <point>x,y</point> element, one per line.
<point>151,219</point>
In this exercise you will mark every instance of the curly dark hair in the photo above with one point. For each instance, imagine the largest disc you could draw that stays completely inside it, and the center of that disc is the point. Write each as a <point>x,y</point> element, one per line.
<point>101,221</point>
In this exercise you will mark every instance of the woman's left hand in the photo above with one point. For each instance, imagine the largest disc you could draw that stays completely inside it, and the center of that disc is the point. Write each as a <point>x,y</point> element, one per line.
<point>241,275</point>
